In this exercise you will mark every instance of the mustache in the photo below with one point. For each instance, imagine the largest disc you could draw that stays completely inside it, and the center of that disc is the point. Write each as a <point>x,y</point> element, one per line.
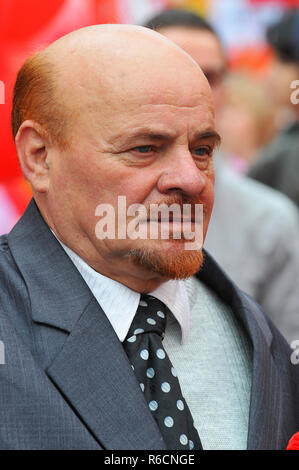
<point>181,203</point>
<point>178,199</point>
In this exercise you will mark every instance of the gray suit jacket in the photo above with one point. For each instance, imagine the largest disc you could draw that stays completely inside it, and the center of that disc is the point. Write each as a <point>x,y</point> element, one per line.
<point>67,383</point>
<point>278,164</point>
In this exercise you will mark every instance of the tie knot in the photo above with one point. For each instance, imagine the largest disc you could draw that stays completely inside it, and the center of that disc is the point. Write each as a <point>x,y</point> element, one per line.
<point>150,317</point>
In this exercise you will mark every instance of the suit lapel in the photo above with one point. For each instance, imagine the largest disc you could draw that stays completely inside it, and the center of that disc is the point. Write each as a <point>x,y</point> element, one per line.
<point>91,369</point>
<point>93,372</point>
<point>266,407</point>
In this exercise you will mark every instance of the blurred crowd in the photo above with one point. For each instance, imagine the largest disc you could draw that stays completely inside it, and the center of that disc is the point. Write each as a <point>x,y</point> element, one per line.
<point>249,52</point>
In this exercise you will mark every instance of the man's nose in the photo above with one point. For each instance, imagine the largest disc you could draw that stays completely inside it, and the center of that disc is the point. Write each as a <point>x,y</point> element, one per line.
<point>181,173</point>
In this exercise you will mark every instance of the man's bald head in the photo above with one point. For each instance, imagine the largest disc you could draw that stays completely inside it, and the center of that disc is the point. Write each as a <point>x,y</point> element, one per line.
<point>55,84</point>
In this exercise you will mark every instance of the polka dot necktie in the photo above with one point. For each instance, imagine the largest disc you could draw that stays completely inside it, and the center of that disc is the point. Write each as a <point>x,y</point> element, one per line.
<point>157,377</point>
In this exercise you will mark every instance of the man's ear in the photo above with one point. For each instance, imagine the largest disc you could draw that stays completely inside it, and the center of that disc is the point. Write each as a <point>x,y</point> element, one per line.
<point>33,152</point>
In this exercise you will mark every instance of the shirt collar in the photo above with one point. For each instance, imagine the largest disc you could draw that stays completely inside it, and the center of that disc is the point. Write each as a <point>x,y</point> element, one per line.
<point>120,303</point>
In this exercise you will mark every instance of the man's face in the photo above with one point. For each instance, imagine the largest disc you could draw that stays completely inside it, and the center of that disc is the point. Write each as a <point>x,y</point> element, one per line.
<point>144,134</point>
<point>204,47</point>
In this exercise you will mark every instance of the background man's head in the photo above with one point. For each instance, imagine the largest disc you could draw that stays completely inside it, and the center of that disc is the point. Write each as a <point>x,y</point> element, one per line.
<point>283,37</point>
<point>198,38</point>
<point>116,110</point>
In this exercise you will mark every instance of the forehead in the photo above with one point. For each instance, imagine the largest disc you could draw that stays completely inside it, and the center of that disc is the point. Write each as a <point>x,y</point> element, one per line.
<point>160,77</point>
<point>203,46</point>
<point>139,125</point>
<point>163,121</point>
<point>141,91</point>
<point>172,87</point>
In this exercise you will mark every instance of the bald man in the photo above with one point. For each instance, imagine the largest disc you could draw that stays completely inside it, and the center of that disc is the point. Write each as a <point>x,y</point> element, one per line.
<point>106,128</point>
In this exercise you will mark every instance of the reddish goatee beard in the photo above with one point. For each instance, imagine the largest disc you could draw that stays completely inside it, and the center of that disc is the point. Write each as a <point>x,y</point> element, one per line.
<point>177,266</point>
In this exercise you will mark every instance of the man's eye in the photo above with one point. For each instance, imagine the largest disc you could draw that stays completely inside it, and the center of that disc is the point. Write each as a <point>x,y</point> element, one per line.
<point>143,148</point>
<point>203,151</point>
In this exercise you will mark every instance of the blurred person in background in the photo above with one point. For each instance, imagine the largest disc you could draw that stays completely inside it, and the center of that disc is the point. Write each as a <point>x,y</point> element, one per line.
<point>254,230</point>
<point>14,197</point>
<point>278,164</point>
<point>9,214</point>
<point>245,122</point>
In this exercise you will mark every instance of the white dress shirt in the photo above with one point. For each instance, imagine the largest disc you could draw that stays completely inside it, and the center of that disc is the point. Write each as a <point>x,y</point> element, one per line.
<point>120,303</point>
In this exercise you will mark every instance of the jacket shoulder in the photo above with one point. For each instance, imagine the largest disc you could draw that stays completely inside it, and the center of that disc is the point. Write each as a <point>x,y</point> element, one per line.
<point>3,244</point>
<point>14,298</point>
<point>7,264</point>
